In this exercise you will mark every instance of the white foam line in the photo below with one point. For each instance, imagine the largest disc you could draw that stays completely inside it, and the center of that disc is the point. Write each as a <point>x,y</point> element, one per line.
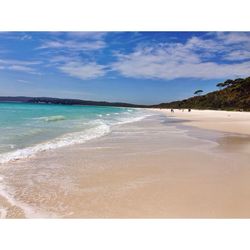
<point>131,120</point>
<point>51,118</point>
<point>28,211</point>
<point>12,202</point>
<point>66,140</point>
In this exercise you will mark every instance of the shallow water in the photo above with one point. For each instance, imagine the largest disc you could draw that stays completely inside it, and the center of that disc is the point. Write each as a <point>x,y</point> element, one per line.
<point>26,129</point>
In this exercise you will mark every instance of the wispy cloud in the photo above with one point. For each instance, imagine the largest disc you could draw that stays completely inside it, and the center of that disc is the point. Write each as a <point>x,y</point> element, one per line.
<point>83,71</point>
<point>238,55</point>
<point>21,66</point>
<point>26,37</point>
<point>196,58</point>
<point>78,54</point>
<point>21,36</point>
<point>208,57</point>
<point>73,45</point>
<point>233,37</point>
<point>23,81</point>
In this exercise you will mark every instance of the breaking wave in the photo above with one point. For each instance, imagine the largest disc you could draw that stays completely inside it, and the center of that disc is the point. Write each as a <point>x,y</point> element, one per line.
<point>53,118</point>
<point>98,129</point>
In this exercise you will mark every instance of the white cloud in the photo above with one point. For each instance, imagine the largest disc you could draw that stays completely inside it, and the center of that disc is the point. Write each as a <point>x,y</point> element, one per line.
<point>83,71</point>
<point>196,43</point>
<point>16,35</point>
<point>167,68</point>
<point>19,62</point>
<point>192,59</point>
<point>196,58</point>
<point>209,56</point>
<point>238,55</point>
<point>21,66</point>
<point>233,37</point>
<point>73,45</point>
<point>26,37</point>
<point>23,81</point>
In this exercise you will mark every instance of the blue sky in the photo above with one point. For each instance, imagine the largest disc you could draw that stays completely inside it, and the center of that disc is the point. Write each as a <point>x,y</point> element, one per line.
<point>136,67</point>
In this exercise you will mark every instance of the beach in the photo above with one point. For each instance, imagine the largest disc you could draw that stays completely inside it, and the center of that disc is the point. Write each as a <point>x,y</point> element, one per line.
<point>167,165</point>
<point>225,121</point>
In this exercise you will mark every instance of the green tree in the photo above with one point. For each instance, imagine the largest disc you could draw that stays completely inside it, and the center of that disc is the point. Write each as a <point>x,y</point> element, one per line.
<point>198,92</point>
<point>221,85</point>
<point>229,82</point>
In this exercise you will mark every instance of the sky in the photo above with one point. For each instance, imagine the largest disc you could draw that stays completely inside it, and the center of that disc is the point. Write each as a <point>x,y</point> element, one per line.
<point>134,67</point>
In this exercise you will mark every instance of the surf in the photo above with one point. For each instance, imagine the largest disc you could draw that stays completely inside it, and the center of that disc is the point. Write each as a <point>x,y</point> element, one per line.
<point>54,118</point>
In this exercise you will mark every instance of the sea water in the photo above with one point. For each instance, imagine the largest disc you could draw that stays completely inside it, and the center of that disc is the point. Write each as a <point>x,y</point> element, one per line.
<point>26,129</point>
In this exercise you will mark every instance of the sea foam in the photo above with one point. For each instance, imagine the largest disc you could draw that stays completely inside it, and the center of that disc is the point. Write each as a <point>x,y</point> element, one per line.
<point>98,128</point>
<point>62,141</point>
<point>53,118</point>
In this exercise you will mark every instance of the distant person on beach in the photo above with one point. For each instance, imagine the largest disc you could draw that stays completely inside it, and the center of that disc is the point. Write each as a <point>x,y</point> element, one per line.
<point>189,110</point>
<point>172,111</point>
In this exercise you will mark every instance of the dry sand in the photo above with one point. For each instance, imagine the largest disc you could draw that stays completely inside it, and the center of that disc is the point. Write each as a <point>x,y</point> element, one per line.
<point>226,121</point>
<point>155,168</point>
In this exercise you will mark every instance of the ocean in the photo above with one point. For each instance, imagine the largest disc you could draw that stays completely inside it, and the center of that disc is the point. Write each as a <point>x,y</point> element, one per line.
<point>26,129</point>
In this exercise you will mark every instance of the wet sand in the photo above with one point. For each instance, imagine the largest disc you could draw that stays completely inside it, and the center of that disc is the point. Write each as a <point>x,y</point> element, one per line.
<point>154,168</point>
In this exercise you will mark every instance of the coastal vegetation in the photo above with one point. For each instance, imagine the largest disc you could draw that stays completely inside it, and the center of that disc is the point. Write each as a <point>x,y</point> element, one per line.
<point>198,92</point>
<point>232,95</point>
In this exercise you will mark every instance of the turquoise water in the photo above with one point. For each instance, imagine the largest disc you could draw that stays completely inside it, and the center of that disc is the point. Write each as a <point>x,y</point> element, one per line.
<point>26,129</point>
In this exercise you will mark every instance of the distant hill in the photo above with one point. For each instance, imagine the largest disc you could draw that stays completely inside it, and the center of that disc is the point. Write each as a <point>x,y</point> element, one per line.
<point>50,100</point>
<point>233,95</point>
<point>14,98</point>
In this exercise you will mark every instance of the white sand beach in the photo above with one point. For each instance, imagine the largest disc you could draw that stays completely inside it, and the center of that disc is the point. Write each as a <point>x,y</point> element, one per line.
<point>181,165</point>
<point>225,121</point>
